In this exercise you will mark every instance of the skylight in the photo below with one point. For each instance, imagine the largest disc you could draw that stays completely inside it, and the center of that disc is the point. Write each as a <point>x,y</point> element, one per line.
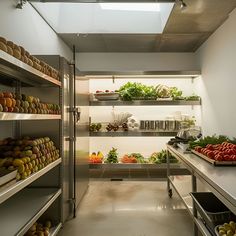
<point>106,18</point>
<point>151,7</point>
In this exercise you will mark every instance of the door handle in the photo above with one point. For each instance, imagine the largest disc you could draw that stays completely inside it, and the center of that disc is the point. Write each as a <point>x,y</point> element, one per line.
<point>77,115</point>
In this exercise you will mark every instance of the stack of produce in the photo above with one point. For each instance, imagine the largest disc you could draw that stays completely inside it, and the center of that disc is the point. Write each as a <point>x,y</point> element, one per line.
<point>161,157</point>
<point>112,156</point>
<point>94,127</point>
<point>21,54</point>
<point>219,152</point>
<point>39,229</point>
<point>96,158</point>
<point>227,229</point>
<point>27,155</point>
<point>10,102</point>
<point>128,159</point>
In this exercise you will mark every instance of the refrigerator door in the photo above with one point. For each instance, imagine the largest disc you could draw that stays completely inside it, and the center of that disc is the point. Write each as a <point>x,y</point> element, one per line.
<point>81,118</point>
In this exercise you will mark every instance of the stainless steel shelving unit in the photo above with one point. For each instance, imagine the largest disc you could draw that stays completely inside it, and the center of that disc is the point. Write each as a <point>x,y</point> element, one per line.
<point>22,210</point>
<point>23,116</point>
<point>210,176</point>
<point>24,202</point>
<point>13,189</point>
<point>134,134</point>
<point>145,103</point>
<point>14,68</point>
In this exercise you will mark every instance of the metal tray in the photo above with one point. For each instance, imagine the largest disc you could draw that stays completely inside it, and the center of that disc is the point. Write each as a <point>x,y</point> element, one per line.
<point>214,162</point>
<point>106,96</point>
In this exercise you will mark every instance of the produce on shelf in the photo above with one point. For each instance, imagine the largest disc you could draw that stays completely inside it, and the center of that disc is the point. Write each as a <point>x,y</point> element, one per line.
<point>176,94</point>
<point>27,155</point>
<point>95,127</point>
<point>39,229</point>
<point>11,102</point>
<point>96,158</point>
<point>125,127</point>
<point>112,156</point>
<point>161,157</point>
<point>128,159</point>
<point>133,91</point>
<point>227,229</point>
<point>112,127</point>
<point>106,91</point>
<point>163,91</point>
<point>21,54</point>
<point>211,140</point>
<point>139,157</point>
<point>192,98</point>
<point>219,152</point>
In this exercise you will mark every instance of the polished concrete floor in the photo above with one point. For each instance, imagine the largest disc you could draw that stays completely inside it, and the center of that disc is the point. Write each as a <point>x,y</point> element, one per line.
<point>129,208</point>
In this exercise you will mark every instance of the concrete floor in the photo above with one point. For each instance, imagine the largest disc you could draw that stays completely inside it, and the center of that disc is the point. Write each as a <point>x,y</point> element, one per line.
<point>129,208</point>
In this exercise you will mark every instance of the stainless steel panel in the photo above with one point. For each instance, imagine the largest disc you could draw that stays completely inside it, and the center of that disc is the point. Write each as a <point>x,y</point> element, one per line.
<point>82,138</point>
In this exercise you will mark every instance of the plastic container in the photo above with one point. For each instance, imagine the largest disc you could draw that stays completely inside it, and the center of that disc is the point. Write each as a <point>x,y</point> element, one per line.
<point>211,209</point>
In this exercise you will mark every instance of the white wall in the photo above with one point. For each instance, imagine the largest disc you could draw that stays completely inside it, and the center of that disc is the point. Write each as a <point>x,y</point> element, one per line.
<point>26,28</point>
<point>136,61</point>
<point>217,87</point>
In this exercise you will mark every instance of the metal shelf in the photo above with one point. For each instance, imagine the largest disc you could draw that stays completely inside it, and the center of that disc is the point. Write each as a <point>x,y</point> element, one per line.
<point>202,228</point>
<point>145,103</point>
<point>11,67</point>
<point>132,166</point>
<point>134,134</point>
<point>54,230</point>
<point>20,212</point>
<point>182,186</point>
<point>25,116</point>
<point>13,189</point>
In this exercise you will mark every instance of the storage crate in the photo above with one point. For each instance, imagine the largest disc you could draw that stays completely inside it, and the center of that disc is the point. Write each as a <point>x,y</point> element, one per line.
<point>211,209</point>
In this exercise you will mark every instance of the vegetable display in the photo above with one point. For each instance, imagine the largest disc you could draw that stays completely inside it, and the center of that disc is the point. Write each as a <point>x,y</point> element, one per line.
<point>131,91</point>
<point>112,156</point>
<point>219,152</point>
<point>211,140</point>
<point>95,127</point>
<point>161,157</point>
<point>227,229</point>
<point>96,158</point>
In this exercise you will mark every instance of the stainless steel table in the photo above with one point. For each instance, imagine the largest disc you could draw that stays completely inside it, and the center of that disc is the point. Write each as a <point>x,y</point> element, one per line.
<point>219,180</point>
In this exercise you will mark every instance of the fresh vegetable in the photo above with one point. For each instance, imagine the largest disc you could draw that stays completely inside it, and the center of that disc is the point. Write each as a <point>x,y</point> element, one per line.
<point>131,91</point>
<point>112,156</point>
<point>203,142</point>
<point>140,158</point>
<point>192,98</point>
<point>161,157</point>
<point>220,152</point>
<point>95,127</point>
<point>175,93</point>
<point>163,91</point>
<point>128,159</point>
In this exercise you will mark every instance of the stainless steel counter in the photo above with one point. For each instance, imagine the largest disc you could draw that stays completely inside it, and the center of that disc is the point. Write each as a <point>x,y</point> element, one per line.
<point>220,180</point>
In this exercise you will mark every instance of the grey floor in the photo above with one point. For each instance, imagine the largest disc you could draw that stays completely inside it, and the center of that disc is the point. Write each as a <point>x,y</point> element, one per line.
<point>131,208</point>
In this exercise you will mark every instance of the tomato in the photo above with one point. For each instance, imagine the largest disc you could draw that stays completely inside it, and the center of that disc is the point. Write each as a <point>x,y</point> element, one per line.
<point>209,147</point>
<point>211,155</point>
<point>218,157</point>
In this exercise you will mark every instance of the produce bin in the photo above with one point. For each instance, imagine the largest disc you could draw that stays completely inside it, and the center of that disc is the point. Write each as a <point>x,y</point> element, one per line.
<point>211,209</point>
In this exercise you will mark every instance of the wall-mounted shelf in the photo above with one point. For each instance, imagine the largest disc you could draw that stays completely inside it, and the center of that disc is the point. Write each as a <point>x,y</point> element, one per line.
<point>14,68</point>
<point>145,103</point>
<point>134,134</point>
<point>13,189</point>
<point>25,116</point>
<point>20,212</point>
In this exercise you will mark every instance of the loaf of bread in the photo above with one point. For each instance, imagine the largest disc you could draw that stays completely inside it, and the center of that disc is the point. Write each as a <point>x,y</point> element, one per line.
<point>22,50</point>
<point>3,47</point>
<point>30,63</point>
<point>17,54</point>
<point>10,44</point>
<point>9,50</point>
<point>3,40</point>
<point>16,47</point>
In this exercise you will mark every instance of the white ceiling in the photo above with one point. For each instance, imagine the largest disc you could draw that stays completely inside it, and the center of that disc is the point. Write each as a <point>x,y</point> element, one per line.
<point>87,18</point>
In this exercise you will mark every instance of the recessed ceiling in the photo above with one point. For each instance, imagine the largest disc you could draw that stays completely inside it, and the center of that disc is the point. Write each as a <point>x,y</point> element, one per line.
<point>184,31</point>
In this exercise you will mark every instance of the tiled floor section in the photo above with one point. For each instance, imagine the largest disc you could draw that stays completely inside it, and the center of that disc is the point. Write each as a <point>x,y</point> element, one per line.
<point>129,209</point>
